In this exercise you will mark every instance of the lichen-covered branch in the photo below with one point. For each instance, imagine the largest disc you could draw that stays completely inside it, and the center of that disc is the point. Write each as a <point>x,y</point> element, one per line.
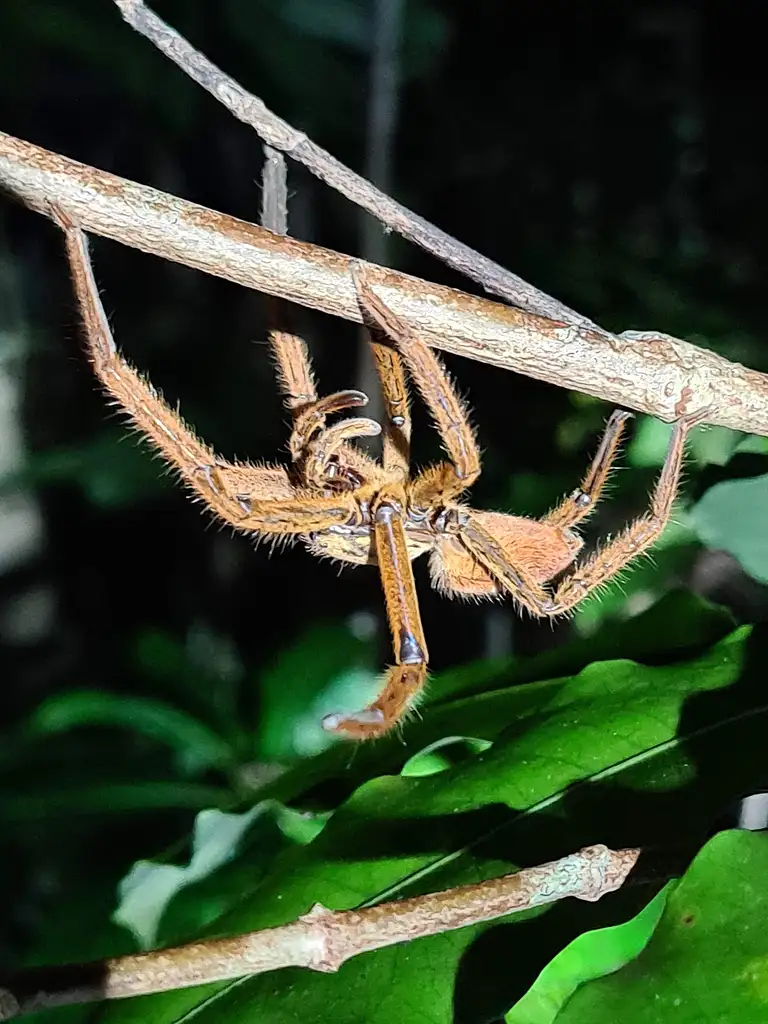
<point>321,940</point>
<point>649,373</point>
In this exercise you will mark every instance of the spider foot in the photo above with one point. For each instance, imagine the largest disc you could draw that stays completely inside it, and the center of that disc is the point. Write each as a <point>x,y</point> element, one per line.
<point>403,684</point>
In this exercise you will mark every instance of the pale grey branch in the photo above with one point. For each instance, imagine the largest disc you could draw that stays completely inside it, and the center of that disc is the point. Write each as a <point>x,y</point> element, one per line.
<point>321,940</point>
<point>648,372</point>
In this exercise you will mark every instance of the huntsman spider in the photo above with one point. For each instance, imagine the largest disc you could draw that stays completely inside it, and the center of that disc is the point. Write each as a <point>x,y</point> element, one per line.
<point>342,503</point>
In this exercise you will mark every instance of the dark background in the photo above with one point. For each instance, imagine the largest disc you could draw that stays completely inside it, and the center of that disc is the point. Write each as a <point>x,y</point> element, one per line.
<point>614,155</point>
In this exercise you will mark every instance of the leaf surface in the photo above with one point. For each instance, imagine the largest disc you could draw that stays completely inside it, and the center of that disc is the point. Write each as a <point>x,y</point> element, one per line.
<point>632,745</point>
<point>707,961</point>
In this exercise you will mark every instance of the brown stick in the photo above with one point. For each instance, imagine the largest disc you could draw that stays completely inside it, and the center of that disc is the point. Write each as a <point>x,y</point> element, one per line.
<point>651,373</point>
<point>321,940</point>
<point>280,135</point>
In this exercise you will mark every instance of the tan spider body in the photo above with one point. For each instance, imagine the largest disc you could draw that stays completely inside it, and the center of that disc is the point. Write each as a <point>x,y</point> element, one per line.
<point>344,505</point>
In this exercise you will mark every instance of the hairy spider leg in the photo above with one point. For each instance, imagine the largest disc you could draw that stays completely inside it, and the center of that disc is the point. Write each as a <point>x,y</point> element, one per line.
<point>396,455</point>
<point>444,481</point>
<point>599,567</point>
<point>294,368</point>
<point>404,680</point>
<point>251,498</point>
<point>581,502</point>
<point>295,378</point>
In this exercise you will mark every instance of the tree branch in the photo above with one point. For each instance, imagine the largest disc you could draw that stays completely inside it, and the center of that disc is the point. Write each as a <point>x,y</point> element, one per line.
<point>651,373</point>
<point>321,940</point>
<point>280,135</point>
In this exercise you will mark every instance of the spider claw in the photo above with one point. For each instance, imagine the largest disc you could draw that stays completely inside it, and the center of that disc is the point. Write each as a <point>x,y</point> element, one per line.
<point>354,398</point>
<point>338,401</point>
<point>359,426</point>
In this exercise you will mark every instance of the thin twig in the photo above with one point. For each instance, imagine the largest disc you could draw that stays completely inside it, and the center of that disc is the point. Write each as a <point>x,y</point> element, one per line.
<point>277,133</point>
<point>379,369</point>
<point>274,192</point>
<point>321,940</point>
<point>651,373</point>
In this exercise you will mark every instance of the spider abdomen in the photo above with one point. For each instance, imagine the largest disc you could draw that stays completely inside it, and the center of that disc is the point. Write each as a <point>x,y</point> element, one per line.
<point>537,548</point>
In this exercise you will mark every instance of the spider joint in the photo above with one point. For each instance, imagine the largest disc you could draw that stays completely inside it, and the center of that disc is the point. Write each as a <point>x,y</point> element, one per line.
<point>207,472</point>
<point>581,499</point>
<point>386,512</point>
<point>450,520</point>
<point>416,516</point>
<point>410,652</point>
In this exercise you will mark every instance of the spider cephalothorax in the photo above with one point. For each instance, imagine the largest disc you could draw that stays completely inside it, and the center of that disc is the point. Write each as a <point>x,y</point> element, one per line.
<point>345,505</point>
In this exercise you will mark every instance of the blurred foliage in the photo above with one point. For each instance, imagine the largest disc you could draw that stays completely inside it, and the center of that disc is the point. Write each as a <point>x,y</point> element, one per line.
<point>163,772</point>
<point>731,517</point>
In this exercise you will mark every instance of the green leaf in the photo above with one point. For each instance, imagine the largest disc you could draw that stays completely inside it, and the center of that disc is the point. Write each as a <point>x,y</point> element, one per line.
<point>440,755</point>
<point>621,747</point>
<point>752,444</point>
<point>93,797</point>
<point>732,517</point>
<point>206,898</point>
<point>592,955</point>
<point>202,676</point>
<point>708,446</point>
<point>645,583</point>
<point>714,446</point>
<point>673,629</point>
<point>676,626</point>
<point>649,444</point>
<point>149,887</point>
<point>111,474</point>
<point>707,961</point>
<point>198,746</point>
<point>327,669</point>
